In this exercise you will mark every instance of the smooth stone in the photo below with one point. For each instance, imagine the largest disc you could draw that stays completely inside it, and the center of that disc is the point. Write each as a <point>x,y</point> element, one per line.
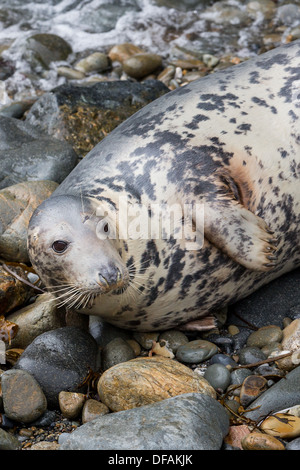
<point>265,335</point>
<point>223,359</point>
<point>146,339</point>
<point>43,48</point>
<point>45,445</point>
<point>250,355</point>
<point>93,409</point>
<point>196,351</point>
<point>115,352</point>
<point>60,360</point>
<point>23,398</point>
<point>288,14</point>
<point>134,346</point>
<point>235,435</point>
<point>127,385</point>
<point>174,339</point>
<point>70,73</point>
<point>239,375</point>
<point>293,445</point>
<point>121,52</point>
<point>284,393</point>
<point>191,422</point>
<point>16,109</point>
<point>142,64</point>
<point>71,403</point>
<point>28,154</point>
<point>252,387</point>
<point>8,441</point>
<point>17,204</point>
<point>103,332</point>
<point>272,348</point>
<point>35,319</point>
<point>260,441</point>
<point>96,62</point>
<point>282,425</point>
<point>218,376</point>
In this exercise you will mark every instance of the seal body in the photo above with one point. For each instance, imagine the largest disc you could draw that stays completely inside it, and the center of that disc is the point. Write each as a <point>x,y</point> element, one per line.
<point>227,144</point>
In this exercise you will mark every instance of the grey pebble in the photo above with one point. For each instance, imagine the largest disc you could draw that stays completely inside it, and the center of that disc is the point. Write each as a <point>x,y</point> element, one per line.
<point>196,351</point>
<point>8,441</point>
<point>218,376</point>
<point>250,355</point>
<point>116,351</point>
<point>238,376</point>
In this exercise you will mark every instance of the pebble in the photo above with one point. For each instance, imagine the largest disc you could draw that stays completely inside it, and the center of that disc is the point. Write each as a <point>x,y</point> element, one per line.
<point>115,352</point>
<point>159,426</point>
<point>93,409</point>
<point>8,441</point>
<point>96,62</point>
<point>43,48</point>
<point>35,319</point>
<point>236,434</point>
<point>174,339</point>
<point>127,385</point>
<point>260,441</point>
<point>239,375</point>
<point>218,376</point>
<point>142,64</point>
<point>264,336</point>
<point>70,73</point>
<point>252,387</point>
<point>13,292</point>
<point>60,360</point>
<point>223,359</point>
<point>45,445</point>
<point>146,339</point>
<point>23,398</point>
<point>196,351</point>
<point>282,425</point>
<point>293,445</point>
<point>121,52</point>
<point>250,355</point>
<point>71,403</point>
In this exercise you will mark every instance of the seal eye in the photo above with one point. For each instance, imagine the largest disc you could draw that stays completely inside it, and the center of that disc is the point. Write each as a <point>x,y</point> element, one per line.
<point>105,228</point>
<point>59,246</point>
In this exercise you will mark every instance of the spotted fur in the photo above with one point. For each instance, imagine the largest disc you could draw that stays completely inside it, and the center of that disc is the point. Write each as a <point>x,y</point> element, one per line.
<point>231,141</point>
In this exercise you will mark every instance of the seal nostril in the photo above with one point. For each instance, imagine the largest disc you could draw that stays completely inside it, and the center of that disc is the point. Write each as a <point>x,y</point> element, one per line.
<point>103,280</point>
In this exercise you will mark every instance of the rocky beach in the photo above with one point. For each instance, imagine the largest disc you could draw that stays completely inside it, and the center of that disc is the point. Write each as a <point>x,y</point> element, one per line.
<point>71,72</point>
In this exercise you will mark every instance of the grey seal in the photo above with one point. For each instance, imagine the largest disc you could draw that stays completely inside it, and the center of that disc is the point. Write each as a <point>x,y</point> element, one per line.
<point>227,144</point>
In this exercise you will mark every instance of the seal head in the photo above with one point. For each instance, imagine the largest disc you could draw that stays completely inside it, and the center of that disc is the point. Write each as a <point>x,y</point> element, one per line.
<point>70,248</point>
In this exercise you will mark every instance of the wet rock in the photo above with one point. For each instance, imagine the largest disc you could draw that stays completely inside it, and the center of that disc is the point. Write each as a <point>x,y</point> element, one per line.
<point>8,441</point>
<point>95,62</point>
<point>69,73</point>
<point>121,52</point>
<point>218,376</point>
<point>17,204</point>
<point>271,303</point>
<point>71,403</point>
<point>13,292</point>
<point>35,319</point>
<point>43,48</point>
<point>252,387</point>
<point>146,340</point>
<point>85,115</point>
<point>282,425</point>
<point>260,441</point>
<point>174,339</point>
<point>26,154</point>
<point>127,385</point>
<point>93,409</point>
<point>285,393</point>
<point>160,426</point>
<point>223,359</point>
<point>115,352</point>
<point>196,351</point>
<point>60,360</point>
<point>265,335</point>
<point>141,65</point>
<point>23,398</point>
<point>251,355</point>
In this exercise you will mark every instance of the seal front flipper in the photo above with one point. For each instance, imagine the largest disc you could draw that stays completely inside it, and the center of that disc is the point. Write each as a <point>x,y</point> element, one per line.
<point>240,234</point>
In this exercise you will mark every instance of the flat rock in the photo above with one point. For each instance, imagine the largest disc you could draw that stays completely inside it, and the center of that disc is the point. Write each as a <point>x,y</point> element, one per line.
<point>27,154</point>
<point>192,422</point>
<point>146,380</point>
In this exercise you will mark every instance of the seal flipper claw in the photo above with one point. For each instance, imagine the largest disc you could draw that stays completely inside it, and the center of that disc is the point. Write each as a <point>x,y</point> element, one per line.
<point>239,233</point>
